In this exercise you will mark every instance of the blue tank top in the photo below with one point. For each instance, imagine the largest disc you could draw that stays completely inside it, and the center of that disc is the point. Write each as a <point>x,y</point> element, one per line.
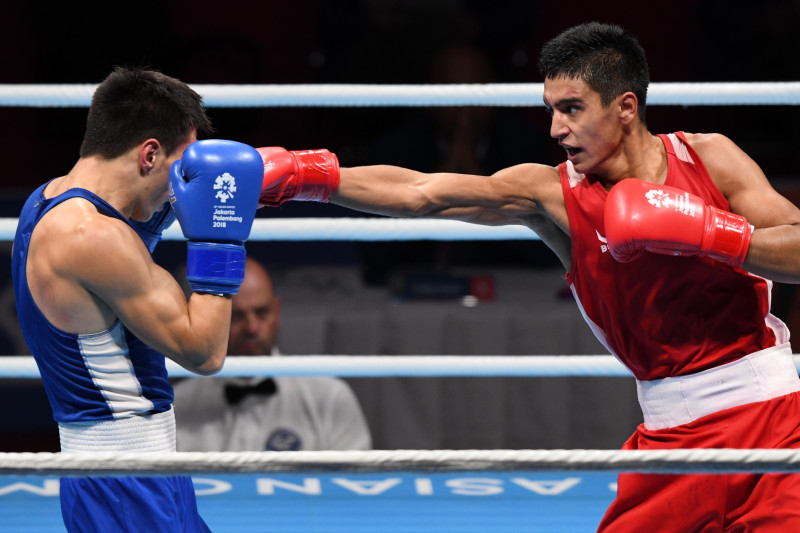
<point>106,375</point>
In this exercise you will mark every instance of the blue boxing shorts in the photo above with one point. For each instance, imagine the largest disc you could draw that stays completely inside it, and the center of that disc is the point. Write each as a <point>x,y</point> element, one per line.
<point>131,505</point>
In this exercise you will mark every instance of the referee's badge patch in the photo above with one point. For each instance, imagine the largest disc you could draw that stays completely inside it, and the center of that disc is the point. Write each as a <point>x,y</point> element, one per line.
<point>284,440</point>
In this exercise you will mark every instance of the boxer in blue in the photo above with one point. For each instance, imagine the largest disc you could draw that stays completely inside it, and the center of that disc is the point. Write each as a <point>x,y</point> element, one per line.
<point>99,314</point>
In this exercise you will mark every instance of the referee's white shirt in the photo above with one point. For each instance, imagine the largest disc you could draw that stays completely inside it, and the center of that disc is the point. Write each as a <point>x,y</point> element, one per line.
<point>304,413</point>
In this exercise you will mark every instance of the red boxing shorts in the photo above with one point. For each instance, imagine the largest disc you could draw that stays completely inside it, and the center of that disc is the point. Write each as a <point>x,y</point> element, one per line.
<point>705,503</point>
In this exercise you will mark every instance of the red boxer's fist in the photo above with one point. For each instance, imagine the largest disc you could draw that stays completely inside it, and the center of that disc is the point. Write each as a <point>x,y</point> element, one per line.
<point>310,175</point>
<point>642,216</point>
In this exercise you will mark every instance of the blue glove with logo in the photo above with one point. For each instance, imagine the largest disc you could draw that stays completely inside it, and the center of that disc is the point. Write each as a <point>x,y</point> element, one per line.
<point>151,230</point>
<point>214,191</point>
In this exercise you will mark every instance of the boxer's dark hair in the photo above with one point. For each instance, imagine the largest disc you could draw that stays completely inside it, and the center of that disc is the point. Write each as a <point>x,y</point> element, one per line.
<point>604,56</point>
<point>134,104</point>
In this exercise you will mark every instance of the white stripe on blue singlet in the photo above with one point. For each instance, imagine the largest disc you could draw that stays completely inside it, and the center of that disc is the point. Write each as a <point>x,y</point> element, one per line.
<point>106,358</point>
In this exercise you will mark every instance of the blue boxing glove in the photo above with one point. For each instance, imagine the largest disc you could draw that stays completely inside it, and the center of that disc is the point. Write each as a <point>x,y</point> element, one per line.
<point>214,191</point>
<point>150,231</point>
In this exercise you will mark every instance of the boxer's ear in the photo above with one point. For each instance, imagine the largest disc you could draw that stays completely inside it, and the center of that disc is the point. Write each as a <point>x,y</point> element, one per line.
<point>149,151</point>
<point>628,107</point>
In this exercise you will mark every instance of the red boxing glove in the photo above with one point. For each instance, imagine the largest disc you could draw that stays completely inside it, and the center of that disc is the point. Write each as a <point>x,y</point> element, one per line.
<point>642,216</point>
<point>310,175</point>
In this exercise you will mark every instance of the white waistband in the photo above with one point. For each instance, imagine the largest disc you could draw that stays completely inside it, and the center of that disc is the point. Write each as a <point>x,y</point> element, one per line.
<point>146,433</point>
<point>757,377</point>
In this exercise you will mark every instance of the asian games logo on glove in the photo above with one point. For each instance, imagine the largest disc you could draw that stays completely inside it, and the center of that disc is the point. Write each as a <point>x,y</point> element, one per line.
<point>682,204</point>
<point>658,198</point>
<point>225,186</point>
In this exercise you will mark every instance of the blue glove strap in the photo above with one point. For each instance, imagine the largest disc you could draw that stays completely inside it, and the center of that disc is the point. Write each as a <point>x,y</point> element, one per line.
<point>215,267</point>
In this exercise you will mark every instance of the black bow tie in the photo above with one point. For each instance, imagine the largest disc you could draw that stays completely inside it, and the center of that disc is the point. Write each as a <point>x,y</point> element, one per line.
<point>235,393</point>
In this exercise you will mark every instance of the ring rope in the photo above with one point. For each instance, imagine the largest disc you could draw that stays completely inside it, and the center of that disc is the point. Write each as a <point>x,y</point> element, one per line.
<point>724,460</point>
<point>404,95</point>
<point>369,229</point>
<point>24,366</point>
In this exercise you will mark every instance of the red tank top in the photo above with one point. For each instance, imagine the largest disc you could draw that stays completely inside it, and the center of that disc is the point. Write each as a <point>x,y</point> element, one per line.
<point>661,315</point>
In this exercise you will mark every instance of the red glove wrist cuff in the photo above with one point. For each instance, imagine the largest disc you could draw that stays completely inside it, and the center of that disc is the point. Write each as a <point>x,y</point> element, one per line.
<point>727,236</point>
<point>317,174</point>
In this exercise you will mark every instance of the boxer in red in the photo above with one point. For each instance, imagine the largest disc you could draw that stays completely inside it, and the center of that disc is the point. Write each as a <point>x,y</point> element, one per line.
<point>669,244</point>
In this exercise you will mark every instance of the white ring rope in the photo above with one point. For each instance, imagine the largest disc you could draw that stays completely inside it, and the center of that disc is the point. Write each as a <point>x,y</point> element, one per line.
<point>365,95</point>
<point>368,229</point>
<point>373,229</point>
<point>23,366</point>
<point>188,463</point>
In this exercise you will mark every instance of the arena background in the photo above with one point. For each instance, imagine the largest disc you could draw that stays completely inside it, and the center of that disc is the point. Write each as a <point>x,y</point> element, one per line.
<point>357,298</point>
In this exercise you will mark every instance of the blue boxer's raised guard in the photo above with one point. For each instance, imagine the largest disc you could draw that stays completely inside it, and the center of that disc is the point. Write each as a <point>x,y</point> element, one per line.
<point>214,191</point>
